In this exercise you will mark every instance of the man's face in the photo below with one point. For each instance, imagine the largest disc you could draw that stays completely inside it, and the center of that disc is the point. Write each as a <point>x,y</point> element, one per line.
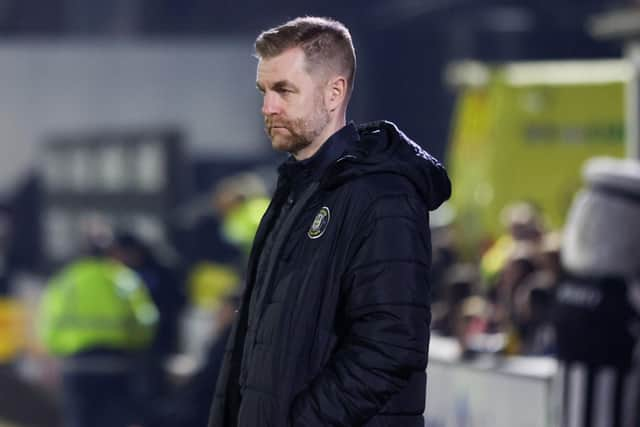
<point>293,106</point>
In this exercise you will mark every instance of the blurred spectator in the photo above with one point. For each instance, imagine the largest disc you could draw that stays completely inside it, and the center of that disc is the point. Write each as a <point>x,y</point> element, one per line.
<point>444,253</point>
<point>459,283</point>
<point>11,316</point>
<point>532,315</point>
<point>464,314</point>
<point>97,316</point>
<point>595,315</point>
<point>511,312</point>
<point>226,221</point>
<point>209,283</point>
<point>522,262</point>
<point>165,286</point>
<point>600,306</point>
<point>471,327</point>
<point>241,201</point>
<point>596,329</point>
<point>189,404</point>
<point>528,284</point>
<point>163,280</point>
<point>550,256</point>
<point>523,223</point>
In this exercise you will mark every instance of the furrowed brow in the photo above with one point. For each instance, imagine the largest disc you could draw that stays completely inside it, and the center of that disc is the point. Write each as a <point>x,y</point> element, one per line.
<point>283,84</point>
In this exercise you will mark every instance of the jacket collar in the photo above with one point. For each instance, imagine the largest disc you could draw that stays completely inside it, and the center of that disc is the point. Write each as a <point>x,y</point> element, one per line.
<point>314,167</point>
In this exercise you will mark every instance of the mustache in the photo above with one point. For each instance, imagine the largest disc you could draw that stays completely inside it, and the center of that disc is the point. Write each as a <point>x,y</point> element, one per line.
<point>268,123</point>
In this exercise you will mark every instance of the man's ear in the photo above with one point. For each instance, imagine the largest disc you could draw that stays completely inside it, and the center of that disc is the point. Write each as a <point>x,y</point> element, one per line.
<point>336,92</point>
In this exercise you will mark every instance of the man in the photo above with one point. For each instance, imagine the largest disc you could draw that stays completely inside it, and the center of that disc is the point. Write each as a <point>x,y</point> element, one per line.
<point>97,316</point>
<point>599,370</point>
<point>163,283</point>
<point>333,328</point>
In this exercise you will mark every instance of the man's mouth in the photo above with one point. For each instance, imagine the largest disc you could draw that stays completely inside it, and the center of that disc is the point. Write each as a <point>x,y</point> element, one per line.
<point>275,127</point>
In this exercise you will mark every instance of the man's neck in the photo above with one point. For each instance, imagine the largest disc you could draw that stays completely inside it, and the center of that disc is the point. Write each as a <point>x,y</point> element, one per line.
<point>315,145</point>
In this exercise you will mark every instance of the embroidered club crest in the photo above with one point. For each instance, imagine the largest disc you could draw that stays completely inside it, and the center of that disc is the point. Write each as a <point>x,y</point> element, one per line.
<point>319,224</point>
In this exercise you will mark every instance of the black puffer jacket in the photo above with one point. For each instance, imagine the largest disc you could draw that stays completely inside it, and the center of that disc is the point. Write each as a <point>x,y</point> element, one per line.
<point>340,331</point>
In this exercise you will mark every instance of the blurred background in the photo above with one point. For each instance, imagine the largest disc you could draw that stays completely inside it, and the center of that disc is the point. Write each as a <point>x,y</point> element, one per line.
<point>131,141</point>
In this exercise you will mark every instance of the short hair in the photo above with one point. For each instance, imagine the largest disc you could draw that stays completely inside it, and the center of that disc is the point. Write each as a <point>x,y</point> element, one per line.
<point>323,41</point>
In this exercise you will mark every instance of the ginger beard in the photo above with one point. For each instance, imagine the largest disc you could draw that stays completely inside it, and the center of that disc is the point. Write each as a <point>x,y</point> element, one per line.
<point>293,135</point>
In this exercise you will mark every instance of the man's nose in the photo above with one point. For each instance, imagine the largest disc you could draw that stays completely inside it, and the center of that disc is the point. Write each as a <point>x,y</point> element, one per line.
<point>269,105</point>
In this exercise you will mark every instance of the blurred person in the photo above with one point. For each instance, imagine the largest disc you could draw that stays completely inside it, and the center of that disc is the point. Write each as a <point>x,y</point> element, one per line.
<point>444,253</point>
<point>597,332</point>
<point>523,224</point>
<point>459,283</point>
<point>333,328</point>
<point>522,260</point>
<point>208,284</point>
<point>471,328</point>
<point>523,221</point>
<point>550,258</point>
<point>164,284</point>
<point>219,228</point>
<point>97,316</point>
<point>522,263</point>
<point>188,405</point>
<point>596,310</point>
<point>531,296</point>
<point>533,303</point>
<point>241,201</point>
<point>12,320</point>
<point>163,280</point>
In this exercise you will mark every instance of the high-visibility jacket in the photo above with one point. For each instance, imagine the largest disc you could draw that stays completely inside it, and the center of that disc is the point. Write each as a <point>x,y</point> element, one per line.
<point>96,303</point>
<point>241,223</point>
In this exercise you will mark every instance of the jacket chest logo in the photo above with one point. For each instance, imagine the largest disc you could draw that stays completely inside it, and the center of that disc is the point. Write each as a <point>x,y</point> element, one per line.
<point>319,224</point>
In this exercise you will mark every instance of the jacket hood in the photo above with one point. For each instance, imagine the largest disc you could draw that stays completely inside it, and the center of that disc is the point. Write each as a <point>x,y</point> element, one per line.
<point>383,148</point>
